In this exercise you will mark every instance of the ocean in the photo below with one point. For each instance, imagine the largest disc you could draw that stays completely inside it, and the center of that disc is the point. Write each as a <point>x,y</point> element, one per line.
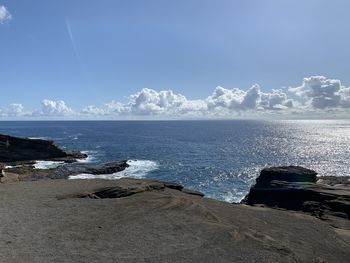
<point>219,158</point>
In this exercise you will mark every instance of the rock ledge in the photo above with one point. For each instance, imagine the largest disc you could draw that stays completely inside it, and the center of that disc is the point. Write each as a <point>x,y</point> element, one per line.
<point>296,188</point>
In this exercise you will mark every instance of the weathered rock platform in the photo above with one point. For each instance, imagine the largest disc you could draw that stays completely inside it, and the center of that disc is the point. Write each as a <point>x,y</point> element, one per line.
<point>64,221</point>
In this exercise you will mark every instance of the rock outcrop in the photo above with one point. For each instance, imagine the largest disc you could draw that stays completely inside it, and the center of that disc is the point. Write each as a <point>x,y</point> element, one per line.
<point>127,187</point>
<point>26,172</point>
<point>287,174</point>
<point>22,153</point>
<point>14,149</point>
<point>297,188</point>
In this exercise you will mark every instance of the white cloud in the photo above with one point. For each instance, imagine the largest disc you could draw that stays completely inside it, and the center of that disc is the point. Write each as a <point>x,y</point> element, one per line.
<point>108,109</point>
<point>13,110</point>
<point>55,108</point>
<point>4,14</point>
<point>316,95</point>
<point>318,92</point>
<point>151,102</point>
<point>344,94</point>
<point>276,100</point>
<point>225,98</point>
<point>251,100</point>
<point>93,110</point>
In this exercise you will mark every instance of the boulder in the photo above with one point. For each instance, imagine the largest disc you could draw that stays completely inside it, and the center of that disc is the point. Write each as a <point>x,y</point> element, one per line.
<point>296,188</point>
<point>286,173</point>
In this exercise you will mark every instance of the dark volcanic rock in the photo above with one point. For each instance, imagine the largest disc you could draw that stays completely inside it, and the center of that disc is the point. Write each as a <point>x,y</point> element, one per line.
<point>22,153</point>
<point>295,188</point>
<point>26,172</point>
<point>334,180</point>
<point>83,168</point>
<point>14,149</point>
<point>286,173</point>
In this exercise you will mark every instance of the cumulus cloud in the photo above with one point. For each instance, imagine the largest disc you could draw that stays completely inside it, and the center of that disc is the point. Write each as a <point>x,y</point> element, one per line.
<point>55,108</point>
<point>320,93</point>
<point>5,15</point>
<point>13,110</point>
<point>344,94</point>
<point>276,100</point>
<point>108,109</point>
<point>225,98</point>
<point>250,100</point>
<point>316,94</point>
<point>151,102</point>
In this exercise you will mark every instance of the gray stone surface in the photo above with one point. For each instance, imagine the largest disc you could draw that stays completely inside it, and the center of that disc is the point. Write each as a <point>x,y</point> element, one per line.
<point>45,221</point>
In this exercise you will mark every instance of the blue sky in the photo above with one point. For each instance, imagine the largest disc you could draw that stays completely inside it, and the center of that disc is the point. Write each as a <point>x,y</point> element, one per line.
<point>110,52</point>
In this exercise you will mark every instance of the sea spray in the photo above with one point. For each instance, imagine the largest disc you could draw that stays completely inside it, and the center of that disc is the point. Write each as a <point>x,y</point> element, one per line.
<point>136,169</point>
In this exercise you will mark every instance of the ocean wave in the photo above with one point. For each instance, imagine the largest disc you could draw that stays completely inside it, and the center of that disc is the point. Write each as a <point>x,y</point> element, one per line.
<point>233,196</point>
<point>75,136</point>
<point>136,169</point>
<point>47,164</point>
<point>91,157</point>
<point>12,166</point>
<point>39,138</point>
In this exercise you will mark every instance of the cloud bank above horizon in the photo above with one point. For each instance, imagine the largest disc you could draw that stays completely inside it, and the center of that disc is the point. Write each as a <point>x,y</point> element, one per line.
<point>316,95</point>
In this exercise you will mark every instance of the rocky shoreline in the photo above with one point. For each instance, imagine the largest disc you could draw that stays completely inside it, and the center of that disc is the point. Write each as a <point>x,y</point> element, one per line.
<point>289,215</point>
<point>18,157</point>
<point>298,189</point>
<point>26,172</point>
<point>15,150</point>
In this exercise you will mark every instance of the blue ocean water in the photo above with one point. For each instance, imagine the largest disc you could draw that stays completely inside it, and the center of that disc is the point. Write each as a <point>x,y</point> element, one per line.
<point>218,158</point>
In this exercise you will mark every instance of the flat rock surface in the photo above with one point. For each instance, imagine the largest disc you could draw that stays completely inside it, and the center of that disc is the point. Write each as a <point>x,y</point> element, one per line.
<point>286,173</point>
<point>47,221</point>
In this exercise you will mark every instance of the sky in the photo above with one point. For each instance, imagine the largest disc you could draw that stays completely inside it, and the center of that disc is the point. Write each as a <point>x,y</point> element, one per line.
<point>154,59</point>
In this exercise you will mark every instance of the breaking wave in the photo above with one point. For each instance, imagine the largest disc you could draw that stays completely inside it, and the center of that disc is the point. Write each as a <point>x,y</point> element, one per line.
<point>47,164</point>
<point>136,169</point>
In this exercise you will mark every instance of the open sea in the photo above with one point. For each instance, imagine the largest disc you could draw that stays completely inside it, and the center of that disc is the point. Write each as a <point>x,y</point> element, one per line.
<point>219,158</point>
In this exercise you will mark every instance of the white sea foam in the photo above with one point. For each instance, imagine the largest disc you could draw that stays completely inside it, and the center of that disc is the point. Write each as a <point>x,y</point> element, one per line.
<point>136,169</point>
<point>39,138</point>
<point>91,157</point>
<point>233,196</point>
<point>47,164</point>
<point>12,166</point>
<point>75,136</point>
